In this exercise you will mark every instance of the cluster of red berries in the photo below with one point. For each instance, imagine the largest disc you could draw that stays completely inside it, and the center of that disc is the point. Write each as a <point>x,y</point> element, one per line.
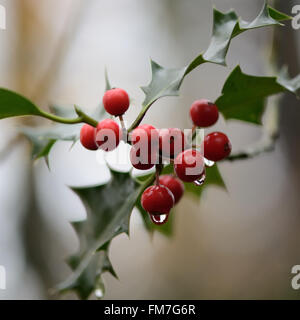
<point>107,134</point>
<point>151,146</point>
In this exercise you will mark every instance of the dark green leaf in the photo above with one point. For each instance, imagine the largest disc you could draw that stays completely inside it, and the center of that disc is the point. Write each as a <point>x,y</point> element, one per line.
<point>167,82</point>
<point>108,207</point>
<point>227,26</point>
<point>244,96</point>
<point>90,279</point>
<point>14,105</point>
<point>279,16</point>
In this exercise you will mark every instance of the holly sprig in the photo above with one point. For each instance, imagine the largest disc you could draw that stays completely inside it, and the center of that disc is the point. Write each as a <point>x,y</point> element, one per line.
<point>243,98</point>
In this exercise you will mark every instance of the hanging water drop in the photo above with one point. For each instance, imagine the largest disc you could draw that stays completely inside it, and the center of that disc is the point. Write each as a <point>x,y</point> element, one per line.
<point>208,163</point>
<point>159,219</point>
<point>199,182</point>
<point>99,293</point>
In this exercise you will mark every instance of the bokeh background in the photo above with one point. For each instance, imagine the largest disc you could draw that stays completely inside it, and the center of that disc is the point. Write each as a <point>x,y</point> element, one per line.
<point>239,244</point>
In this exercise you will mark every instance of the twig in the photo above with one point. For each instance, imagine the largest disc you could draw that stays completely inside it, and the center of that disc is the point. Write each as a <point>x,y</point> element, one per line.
<point>271,124</point>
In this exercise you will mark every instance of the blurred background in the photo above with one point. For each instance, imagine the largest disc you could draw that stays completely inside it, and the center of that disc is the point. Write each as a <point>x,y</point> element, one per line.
<point>239,244</point>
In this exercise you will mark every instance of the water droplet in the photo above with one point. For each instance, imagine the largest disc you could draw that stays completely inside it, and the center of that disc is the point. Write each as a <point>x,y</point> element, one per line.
<point>159,219</point>
<point>199,182</point>
<point>99,293</point>
<point>208,163</point>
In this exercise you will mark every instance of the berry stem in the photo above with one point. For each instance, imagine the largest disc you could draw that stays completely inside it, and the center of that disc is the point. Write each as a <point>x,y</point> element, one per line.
<point>85,118</point>
<point>122,122</point>
<point>194,129</point>
<point>124,130</point>
<point>196,146</point>
<point>158,170</point>
<point>163,158</point>
<point>157,176</point>
<point>140,117</point>
<point>82,117</point>
<point>55,118</point>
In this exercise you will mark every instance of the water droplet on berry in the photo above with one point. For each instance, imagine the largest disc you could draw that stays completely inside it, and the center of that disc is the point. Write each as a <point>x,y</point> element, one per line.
<point>159,219</point>
<point>99,293</point>
<point>208,163</point>
<point>199,182</point>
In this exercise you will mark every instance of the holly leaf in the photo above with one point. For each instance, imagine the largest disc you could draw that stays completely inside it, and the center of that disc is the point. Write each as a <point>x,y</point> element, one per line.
<point>90,279</point>
<point>13,104</point>
<point>44,138</point>
<point>165,82</point>
<point>40,146</point>
<point>226,26</point>
<point>244,96</point>
<point>108,208</point>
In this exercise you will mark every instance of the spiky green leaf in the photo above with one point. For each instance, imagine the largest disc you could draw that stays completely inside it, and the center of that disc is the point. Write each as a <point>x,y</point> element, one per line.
<point>244,96</point>
<point>108,208</point>
<point>226,26</point>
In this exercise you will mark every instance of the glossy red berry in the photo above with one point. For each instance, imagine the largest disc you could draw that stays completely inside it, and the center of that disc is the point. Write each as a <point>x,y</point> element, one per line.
<point>142,159</point>
<point>171,141</point>
<point>204,113</point>
<point>88,137</point>
<point>189,165</point>
<point>108,135</point>
<point>116,101</point>
<point>157,200</point>
<point>174,185</point>
<point>145,134</point>
<point>216,146</point>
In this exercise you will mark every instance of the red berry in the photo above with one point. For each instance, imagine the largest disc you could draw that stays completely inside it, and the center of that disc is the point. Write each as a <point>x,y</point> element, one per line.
<point>204,113</point>
<point>216,146</point>
<point>145,134</point>
<point>108,135</point>
<point>174,185</point>
<point>157,200</point>
<point>116,101</point>
<point>142,159</point>
<point>171,141</point>
<point>88,136</point>
<point>189,165</point>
